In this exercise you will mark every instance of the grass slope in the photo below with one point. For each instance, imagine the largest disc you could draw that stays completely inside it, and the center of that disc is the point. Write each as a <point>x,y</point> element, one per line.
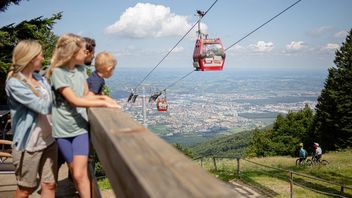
<point>275,183</point>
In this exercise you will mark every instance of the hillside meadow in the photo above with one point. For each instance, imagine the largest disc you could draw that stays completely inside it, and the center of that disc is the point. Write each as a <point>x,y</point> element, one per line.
<point>274,182</point>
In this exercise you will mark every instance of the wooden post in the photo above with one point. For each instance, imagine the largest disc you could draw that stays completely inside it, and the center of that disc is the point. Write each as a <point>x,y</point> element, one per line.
<point>238,167</point>
<point>95,192</point>
<point>341,191</point>
<point>201,162</point>
<point>214,161</point>
<point>291,184</point>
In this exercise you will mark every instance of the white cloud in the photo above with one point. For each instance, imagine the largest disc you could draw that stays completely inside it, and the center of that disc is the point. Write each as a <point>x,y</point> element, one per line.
<point>262,46</point>
<point>178,49</point>
<point>331,46</point>
<point>146,20</point>
<point>295,46</point>
<point>320,31</point>
<point>341,34</point>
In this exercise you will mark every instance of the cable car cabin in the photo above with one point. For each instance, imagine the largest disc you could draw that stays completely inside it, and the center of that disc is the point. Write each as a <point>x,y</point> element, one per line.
<point>208,55</point>
<point>162,105</point>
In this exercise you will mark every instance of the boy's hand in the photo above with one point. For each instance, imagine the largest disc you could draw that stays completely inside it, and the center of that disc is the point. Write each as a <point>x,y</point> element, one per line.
<point>113,104</point>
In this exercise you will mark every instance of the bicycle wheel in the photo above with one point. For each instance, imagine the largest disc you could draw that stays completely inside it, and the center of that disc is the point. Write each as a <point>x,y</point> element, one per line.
<point>324,162</point>
<point>309,162</point>
<point>298,163</point>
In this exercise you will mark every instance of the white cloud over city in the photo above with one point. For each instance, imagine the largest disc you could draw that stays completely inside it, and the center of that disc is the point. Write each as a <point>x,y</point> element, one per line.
<point>262,46</point>
<point>331,46</point>
<point>146,20</point>
<point>341,34</point>
<point>321,31</point>
<point>178,49</point>
<point>296,46</point>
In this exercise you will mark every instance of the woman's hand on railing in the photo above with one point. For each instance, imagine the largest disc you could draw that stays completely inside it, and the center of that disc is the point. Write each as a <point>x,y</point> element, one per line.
<point>111,103</point>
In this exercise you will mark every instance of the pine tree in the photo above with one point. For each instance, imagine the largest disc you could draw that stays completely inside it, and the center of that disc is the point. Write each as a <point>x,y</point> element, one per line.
<point>5,3</point>
<point>333,119</point>
<point>39,29</point>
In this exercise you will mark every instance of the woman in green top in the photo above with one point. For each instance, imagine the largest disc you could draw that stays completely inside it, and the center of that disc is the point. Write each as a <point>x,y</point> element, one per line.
<point>69,117</point>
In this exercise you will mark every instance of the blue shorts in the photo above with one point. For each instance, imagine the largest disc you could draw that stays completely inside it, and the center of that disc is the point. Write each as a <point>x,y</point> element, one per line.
<point>77,145</point>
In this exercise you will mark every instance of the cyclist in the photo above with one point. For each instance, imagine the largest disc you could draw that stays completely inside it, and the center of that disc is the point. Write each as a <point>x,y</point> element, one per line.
<point>302,153</point>
<point>318,152</point>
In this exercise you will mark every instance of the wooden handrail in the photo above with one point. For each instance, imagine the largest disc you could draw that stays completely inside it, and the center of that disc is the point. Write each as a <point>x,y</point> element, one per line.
<point>140,164</point>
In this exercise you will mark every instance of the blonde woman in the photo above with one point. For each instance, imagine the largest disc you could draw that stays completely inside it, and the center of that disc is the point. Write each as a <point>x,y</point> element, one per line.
<point>29,96</point>
<point>70,126</point>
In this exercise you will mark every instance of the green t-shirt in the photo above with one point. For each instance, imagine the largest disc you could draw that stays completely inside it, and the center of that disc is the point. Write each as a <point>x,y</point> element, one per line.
<point>68,121</point>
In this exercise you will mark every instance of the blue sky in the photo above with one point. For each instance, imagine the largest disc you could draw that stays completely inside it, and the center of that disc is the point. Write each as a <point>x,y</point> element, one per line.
<point>140,33</point>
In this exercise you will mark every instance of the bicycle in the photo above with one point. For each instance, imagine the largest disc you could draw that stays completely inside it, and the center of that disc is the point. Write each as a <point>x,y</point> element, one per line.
<point>316,161</point>
<point>302,163</point>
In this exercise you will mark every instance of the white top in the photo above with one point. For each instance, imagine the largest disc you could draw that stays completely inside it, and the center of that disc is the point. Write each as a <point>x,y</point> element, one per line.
<point>41,136</point>
<point>318,151</point>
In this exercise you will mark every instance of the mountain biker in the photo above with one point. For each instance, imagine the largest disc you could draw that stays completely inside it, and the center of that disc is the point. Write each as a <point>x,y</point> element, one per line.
<point>318,152</point>
<point>302,153</point>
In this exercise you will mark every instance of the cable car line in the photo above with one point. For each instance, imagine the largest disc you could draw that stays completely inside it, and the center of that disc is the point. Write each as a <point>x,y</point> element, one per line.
<point>162,103</point>
<point>172,84</point>
<point>175,45</point>
<point>157,94</point>
<point>263,24</point>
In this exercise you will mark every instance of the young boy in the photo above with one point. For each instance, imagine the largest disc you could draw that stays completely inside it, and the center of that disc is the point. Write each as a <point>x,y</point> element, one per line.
<point>104,66</point>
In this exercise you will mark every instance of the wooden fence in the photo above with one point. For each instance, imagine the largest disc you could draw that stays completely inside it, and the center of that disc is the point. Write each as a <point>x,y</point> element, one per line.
<point>290,177</point>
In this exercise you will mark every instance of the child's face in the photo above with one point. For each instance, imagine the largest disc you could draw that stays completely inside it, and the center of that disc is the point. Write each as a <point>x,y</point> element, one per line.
<point>80,56</point>
<point>108,71</point>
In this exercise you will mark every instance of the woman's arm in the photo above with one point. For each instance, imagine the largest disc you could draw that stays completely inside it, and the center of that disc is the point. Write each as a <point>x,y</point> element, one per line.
<point>87,101</point>
<point>22,94</point>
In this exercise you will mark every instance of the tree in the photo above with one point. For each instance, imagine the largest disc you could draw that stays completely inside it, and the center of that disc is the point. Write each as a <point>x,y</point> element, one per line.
<point>39,28</point>
<point>260,143</point>
<point>5,3</point>
<point>287,132</point>
<point>333,120</point>
<point>184,150</point>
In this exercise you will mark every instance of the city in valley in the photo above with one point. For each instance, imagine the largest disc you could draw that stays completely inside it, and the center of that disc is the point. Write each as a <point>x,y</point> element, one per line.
<point>212,104</point>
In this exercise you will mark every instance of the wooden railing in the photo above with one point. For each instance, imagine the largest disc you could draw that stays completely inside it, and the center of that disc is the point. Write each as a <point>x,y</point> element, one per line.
<point>140,164</point>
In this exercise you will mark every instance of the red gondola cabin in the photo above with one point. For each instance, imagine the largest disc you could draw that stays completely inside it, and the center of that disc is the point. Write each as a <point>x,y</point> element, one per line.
<point>208,55</point>
<point>162,105</point>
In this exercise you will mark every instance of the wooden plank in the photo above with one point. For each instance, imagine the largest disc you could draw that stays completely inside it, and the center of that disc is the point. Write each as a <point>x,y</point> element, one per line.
<point>140,164</point>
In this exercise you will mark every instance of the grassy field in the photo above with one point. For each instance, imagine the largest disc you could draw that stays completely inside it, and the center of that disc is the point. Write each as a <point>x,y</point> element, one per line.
<point>275,182</point>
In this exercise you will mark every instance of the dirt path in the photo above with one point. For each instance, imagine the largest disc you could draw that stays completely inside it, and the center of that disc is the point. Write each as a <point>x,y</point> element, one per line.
<point>245,191</point>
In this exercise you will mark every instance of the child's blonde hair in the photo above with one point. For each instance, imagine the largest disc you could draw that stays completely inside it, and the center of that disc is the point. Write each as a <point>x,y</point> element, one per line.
<point>24,52</point>
<point>66,48</point>
<point>104,59</point>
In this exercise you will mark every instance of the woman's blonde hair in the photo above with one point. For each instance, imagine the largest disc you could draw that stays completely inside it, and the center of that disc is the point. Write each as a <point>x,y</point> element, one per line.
<point>66,48</point>
<point>24,52</point>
